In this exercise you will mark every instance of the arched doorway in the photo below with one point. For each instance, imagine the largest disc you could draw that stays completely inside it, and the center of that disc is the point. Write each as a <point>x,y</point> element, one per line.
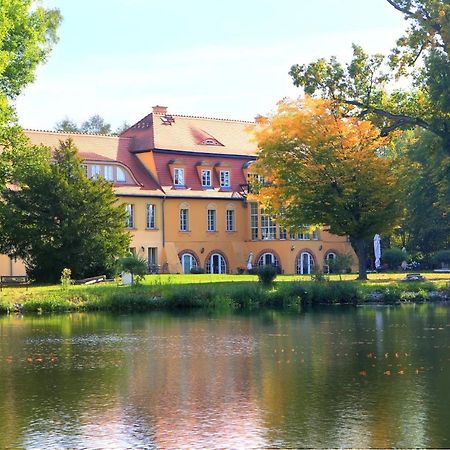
<point>216,264</point>
<point>268,259</point>
<point>188,261</point>
<point>329,260</point>
<point>305,263</point>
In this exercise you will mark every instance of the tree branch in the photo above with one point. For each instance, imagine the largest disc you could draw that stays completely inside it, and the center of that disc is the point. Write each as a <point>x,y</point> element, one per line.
<point>399,119</point>
<point>400,8</point>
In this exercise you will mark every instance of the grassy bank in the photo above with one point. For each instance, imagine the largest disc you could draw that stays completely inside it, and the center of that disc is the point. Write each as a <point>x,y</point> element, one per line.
<point>220,291</point>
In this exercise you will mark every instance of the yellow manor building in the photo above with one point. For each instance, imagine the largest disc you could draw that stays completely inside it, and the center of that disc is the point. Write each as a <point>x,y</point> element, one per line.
<point>184,182</point>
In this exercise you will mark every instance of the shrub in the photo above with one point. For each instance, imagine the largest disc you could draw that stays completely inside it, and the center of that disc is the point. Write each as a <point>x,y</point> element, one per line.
<point>197,270</point>
<point>329,293</point>
<point>246,296</point>
<point>65,278</point>
<point>393,257</point>
<point>137,266</point>
<point>318,275</point>
<point>267,274</point>
<point>341,264</point>
<point>441,258</point>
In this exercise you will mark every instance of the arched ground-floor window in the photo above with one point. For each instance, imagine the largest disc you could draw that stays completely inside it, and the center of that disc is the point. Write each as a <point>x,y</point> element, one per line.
<point>305,263</point>
<point>268,259</point>
<point>330,257</point>
<point>216,263</point>
<point>188,261</point>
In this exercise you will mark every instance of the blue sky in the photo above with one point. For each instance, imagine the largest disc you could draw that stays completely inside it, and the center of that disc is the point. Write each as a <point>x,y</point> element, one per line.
<point>227,59</point>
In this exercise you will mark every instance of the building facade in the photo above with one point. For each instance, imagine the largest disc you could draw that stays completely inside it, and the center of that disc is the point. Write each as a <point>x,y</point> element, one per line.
<point>183,181</point>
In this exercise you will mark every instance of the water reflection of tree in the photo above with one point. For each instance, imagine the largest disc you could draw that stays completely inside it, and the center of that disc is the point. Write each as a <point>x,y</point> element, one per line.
<point>46,386</point>
<point>336,391</point>
<point>274,379</point>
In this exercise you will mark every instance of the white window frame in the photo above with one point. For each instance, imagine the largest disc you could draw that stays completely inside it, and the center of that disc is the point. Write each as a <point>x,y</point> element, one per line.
<point>300,267</point>
<point>327,261</point>
<point>120,175</point>
<point>184,219</point>
<point>206,178</point>
<point>211,220</point>
<point>151,216</point>
<point>192,261</point>
<point>225,179</point>
<point>178,176</point>
<point>268,227</point>
<point>109,174</point>
<point>254,226</point>
<point>231,219</point>
<point>222,266</point>
<point>268,255</point>
<point>96,170</point>
<point>129,208</point>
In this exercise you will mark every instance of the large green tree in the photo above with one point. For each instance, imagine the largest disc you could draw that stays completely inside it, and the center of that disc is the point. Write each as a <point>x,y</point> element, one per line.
<point>94,125</point>
<point>55,217</point>
<point>363,82</point>
<point>329,170</point>
<point>373,87</point>
<point>27,34</point>
<point>425,227</point>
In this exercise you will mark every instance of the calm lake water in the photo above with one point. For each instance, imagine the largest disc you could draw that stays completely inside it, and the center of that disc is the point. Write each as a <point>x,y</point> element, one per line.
<point>339,377</point>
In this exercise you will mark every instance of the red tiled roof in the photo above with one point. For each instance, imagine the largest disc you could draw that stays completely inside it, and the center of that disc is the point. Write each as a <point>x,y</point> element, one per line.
<point>188,133</point>
<point>125,156</point>
<point>90,156</point>
<point>141,133</point>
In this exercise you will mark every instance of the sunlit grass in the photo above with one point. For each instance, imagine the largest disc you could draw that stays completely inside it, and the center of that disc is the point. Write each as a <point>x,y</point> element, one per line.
<point>168,285</point>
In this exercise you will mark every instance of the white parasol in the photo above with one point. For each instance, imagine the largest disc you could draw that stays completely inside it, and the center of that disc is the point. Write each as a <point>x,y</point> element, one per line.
<point>377,250</point>
<point>250,261</point>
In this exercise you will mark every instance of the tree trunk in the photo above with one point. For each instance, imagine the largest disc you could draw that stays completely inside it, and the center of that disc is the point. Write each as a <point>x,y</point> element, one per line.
<point>360,250</point>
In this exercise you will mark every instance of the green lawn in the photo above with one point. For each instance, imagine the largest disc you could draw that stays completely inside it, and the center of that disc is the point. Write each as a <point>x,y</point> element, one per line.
<point>185,289</point>
<point>13,293</point>
<point>208,278</point>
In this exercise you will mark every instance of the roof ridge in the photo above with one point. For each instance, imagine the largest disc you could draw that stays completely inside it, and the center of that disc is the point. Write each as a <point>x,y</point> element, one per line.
<point>78,133</point>
<point>207,118</point>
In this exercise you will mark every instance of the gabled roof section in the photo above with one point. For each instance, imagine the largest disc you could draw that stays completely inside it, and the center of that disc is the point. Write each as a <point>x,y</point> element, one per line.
<point>205,135</point>
<point>131,160</point>
<point>96,147</point>
<point>161,131</point>
<point>142,134</point>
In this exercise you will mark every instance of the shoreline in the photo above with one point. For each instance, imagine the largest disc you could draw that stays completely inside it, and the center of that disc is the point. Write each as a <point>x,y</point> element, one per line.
<point>239,295</point>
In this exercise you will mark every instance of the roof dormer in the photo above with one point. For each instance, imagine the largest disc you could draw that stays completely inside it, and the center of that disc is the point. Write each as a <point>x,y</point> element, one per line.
<point>205,174</point>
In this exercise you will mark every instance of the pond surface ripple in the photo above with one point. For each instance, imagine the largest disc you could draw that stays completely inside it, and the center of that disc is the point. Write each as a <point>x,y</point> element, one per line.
<point>338,377</point>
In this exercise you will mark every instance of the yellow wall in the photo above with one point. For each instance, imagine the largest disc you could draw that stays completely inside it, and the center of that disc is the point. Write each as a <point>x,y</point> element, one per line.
<point>11,267</point>
<point>198,240</point>
<point>141,237</point>
<point>234,245</point>
<point>288,250</point>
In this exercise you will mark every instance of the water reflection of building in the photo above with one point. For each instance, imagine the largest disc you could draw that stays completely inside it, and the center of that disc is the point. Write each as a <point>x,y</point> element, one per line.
<point>196,384</point>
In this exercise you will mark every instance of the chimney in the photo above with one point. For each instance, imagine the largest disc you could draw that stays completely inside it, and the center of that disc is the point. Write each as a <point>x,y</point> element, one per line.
<point>159,109</point>
<point>259,119</point>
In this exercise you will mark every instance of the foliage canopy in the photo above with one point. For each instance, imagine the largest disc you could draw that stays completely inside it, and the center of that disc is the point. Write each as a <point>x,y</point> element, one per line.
<point>55,218</point>
<point>326,169</point>
<point>363,82</point>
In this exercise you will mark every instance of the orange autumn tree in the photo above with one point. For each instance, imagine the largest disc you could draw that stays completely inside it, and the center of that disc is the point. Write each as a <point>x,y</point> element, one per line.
<point>327,170</point>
